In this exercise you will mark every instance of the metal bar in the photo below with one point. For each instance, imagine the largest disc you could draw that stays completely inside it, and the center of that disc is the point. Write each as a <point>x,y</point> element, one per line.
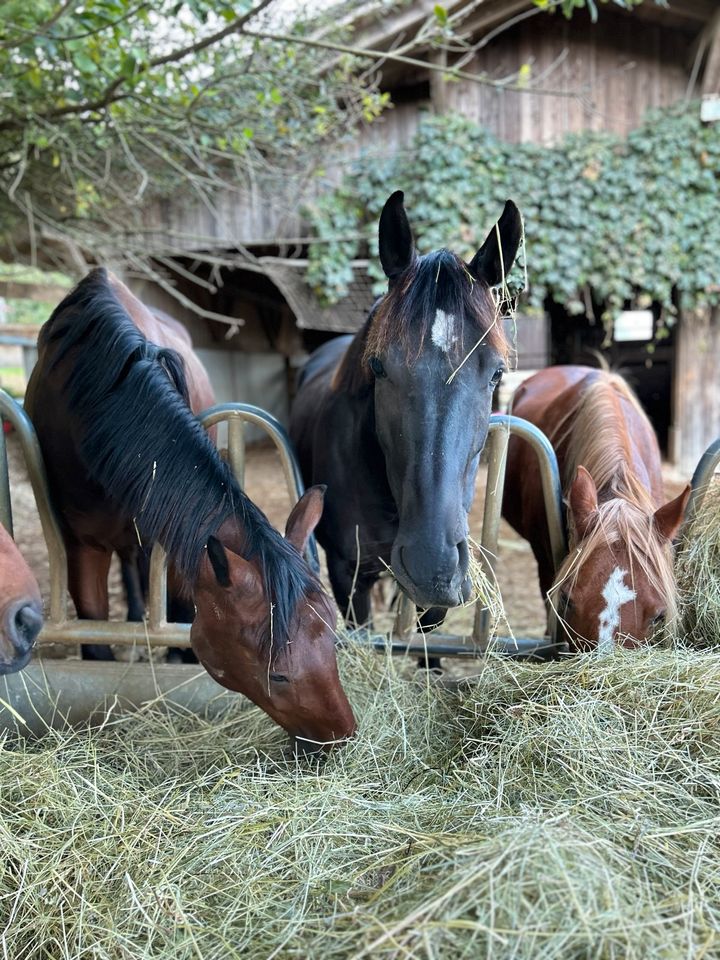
<point>550,479</point>
<point>701,480</point>
<point>5,501</point>
<point>52,693</point>
<point>57,557</point>
<point>157,589</point>
<point>277,433</point>
<point>446,645</point>
<point>236,448</point>
<point>116,631</point>
<point>496,446</point>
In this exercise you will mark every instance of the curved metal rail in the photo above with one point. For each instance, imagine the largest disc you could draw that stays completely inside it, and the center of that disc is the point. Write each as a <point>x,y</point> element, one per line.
<point>701,480</point>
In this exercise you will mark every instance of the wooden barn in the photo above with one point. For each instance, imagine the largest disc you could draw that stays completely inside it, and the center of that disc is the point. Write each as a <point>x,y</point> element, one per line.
<point>249,256</point>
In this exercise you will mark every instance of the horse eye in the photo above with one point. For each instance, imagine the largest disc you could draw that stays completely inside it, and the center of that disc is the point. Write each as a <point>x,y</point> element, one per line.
<point>377,368</point>
<point>279,678</point>
<point>658,621</point>
<point>497,376</point>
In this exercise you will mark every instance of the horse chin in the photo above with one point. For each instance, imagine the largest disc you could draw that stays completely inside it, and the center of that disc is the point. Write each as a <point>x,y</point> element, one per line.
<point>16,665</point>
<point>426,595</point>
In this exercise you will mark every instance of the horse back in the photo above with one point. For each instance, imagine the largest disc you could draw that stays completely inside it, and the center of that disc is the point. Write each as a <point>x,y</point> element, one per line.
<point>548,400</point>
<point>165,331</point>
<point>313,388</point>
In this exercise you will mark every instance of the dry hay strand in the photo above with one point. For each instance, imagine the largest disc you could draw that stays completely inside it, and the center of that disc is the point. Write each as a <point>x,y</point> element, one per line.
<point>484,589</point>
<point>562,811</point>
<point>697,570</point>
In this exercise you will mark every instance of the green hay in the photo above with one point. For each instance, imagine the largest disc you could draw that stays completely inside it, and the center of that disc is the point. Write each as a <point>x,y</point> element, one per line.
<point>698,576</point>
<point>559,811</point>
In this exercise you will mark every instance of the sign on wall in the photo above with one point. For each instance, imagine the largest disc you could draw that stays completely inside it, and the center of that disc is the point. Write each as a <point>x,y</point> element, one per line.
<point>633,325</point>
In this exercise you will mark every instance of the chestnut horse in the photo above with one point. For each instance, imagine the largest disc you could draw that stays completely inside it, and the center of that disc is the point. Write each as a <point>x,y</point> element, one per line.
<point>20,607</point>
<point>128,461</point>
<point>617,583</point>
<point>393,420</point>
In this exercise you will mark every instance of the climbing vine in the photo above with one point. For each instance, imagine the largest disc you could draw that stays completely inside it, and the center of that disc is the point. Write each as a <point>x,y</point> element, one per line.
<point>617,220</point>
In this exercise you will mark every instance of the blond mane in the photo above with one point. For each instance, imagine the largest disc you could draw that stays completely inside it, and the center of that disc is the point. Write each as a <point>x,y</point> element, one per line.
<point>592,434</point>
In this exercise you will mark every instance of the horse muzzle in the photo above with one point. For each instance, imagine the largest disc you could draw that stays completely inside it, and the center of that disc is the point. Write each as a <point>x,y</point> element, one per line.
<point>21,625</point>
<point>432,578</point>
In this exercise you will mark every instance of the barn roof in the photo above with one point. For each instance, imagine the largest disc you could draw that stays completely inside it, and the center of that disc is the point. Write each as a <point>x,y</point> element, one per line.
<point>344,317</point>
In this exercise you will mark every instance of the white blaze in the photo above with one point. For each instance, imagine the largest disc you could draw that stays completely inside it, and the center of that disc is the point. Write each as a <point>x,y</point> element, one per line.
<point>442,330</point>
<point>615,593</point>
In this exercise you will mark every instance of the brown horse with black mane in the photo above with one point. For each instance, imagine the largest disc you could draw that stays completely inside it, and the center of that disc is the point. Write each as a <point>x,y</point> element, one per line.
<point>617,583</point>
<point>127,460</point>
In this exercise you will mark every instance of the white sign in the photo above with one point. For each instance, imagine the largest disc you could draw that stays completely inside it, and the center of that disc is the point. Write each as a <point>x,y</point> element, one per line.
<point>634,325</point>
<point>710,108</point>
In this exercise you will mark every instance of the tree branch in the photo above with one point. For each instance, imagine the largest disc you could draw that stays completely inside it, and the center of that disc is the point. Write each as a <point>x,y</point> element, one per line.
<point>410,61</point>
<point>109,95</point>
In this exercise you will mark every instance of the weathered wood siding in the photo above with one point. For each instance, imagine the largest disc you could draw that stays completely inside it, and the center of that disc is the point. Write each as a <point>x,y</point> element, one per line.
<point>620,66</point>
<point>696,398</point>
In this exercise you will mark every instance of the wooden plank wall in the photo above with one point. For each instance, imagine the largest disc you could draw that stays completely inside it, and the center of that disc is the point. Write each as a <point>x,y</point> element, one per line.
<point>621,67</point>
<point>696,399</point>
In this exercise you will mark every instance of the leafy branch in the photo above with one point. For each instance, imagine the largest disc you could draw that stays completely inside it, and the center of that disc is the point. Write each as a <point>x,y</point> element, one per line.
<point>617,221</point>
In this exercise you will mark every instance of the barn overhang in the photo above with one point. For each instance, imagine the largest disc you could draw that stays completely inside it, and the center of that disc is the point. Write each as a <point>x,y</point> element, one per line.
<point>346,316</point>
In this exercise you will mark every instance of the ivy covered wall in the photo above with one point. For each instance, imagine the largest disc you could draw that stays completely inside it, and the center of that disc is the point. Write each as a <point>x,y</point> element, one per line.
<point>620,220</point>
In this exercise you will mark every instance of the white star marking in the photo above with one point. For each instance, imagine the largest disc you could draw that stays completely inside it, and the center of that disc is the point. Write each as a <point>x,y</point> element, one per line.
<point>615,593</point>
<point>442,330</point>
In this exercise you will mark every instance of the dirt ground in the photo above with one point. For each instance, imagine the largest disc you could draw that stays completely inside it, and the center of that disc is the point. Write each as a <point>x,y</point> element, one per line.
<point>516,569</point>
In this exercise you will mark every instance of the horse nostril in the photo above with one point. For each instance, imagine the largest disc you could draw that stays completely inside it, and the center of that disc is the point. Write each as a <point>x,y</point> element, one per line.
<point>27,624</point>
<point>463,556</point>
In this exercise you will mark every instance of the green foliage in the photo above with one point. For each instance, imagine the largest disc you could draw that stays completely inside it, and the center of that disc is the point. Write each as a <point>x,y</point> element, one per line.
<point>569,7</point>
<point>628,220</point>
<point>108,103</point>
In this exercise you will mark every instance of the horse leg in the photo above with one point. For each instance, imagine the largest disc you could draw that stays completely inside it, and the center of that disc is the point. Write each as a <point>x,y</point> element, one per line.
<point>352,594</point>
<point>88,570</point>
<point>134,572</point>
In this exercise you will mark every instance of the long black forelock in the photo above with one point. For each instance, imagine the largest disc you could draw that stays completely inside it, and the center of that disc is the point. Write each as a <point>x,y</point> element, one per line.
<point>437,281</point>
<point>143,445</point>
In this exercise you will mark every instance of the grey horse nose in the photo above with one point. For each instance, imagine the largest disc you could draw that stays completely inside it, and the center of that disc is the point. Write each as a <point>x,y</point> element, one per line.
<point>23,625</point>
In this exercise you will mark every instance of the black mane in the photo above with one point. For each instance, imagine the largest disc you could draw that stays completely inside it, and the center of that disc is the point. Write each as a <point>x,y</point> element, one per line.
<point>141,442</point>
<point>438,280</point>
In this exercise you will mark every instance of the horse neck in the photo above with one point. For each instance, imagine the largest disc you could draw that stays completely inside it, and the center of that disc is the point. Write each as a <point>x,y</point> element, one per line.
<point>609,434</point>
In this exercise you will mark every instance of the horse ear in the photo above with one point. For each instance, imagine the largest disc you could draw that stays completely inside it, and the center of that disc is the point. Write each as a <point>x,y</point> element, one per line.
<point>583,501</point>
<point>397,249</point>
<point>669,517</point>
<point>305,516</point>
<point>230,569</point>
<point>218,561</point>
<point>494,259</point>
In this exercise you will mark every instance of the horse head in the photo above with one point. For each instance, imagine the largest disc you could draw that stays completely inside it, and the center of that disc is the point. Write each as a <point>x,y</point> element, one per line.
<point>435,351</point>
<point>617,584</point>
<point>283,660</point>
<point>20,607</point>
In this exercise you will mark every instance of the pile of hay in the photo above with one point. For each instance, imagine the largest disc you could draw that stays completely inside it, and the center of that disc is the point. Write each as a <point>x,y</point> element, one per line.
<point>566,810</point>
<point>698,575</point>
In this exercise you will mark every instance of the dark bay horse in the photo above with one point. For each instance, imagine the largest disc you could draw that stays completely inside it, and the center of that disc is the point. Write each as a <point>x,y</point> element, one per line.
<point>617,583</point>
<point>128,462</point>
<point>393,420</point>
<point>20,607</point>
